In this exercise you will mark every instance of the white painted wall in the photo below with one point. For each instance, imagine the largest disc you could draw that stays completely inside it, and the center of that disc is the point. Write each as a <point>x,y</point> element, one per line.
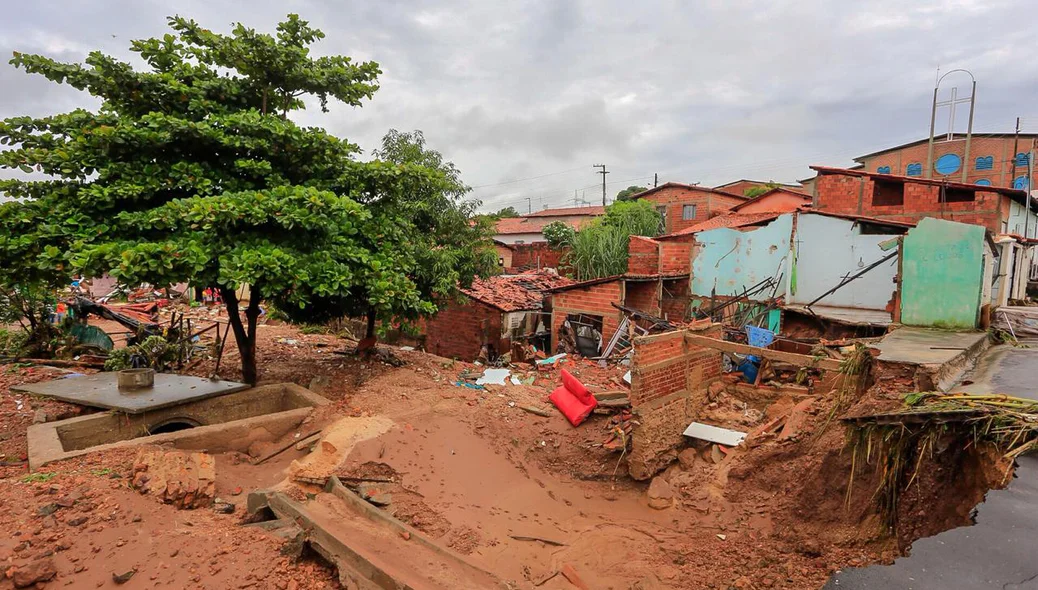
<point>827,249</point>
<point>520,238</point>
<point>1016,220</point>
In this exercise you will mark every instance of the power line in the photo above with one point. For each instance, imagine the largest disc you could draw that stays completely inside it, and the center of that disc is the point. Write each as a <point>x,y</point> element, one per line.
<point>603,172</point>
<point>527,178</point>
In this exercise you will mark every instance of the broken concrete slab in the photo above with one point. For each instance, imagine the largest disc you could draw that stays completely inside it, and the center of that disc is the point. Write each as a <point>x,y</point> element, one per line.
<point>796,420</point>
<point>714,434</point>
<point>939,356</point>
<point>363,543</point>
<point>102,391</point>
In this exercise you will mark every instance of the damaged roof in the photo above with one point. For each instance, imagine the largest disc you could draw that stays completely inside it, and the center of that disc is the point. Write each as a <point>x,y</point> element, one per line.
<point>732,220</point>
<point>519,292</point>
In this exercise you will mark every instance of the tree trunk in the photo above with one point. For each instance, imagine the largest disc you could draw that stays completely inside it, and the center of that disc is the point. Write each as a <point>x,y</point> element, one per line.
<point>244,337</point>
<point>371,324</point>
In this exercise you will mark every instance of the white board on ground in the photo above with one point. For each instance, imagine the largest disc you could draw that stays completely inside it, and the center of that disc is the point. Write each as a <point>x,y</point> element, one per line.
<point>493,377</point>
<point>714,434</point>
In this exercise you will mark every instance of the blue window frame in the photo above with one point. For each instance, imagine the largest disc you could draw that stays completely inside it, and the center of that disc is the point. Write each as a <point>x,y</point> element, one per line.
<point>1021,159</point>
<point>1020,183</point>
<point>983,182</point>
<point>914,169</point>
<point>985,163</point>
<point>883,170</point>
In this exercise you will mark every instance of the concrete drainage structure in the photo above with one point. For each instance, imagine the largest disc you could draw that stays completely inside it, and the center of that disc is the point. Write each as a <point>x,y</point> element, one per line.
<point>230,422</point>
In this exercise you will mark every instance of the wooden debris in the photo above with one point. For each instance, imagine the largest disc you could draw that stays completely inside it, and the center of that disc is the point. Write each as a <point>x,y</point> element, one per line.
<point>573,577</point>
<point>536,410</point>
<point>283,448</point>
<point>541,539</point>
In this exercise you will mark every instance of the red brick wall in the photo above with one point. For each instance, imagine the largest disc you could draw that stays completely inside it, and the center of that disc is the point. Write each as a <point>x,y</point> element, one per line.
<point>460,330</point>
<point>643,256</point>
<point>708,204</point>
<point>838,193</point>
<point>675,257</point>
<point>643,296</point>
<point>535,255</point>
<point>675,302</point>
<point>593,300</point>
<point>664,364</point>
<point>669,379</point>
<point>999,148</point>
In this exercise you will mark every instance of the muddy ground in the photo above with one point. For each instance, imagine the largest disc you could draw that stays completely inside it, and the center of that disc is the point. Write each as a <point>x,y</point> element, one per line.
<point>474,470</point>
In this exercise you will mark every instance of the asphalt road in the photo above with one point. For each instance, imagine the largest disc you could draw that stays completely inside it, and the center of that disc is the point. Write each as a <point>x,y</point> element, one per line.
<point>1001,550</point>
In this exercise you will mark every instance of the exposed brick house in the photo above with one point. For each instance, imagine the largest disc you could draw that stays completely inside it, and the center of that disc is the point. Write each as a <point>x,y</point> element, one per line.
<point>657,282</point>
<point>995,159</point>
<point>684,205</point>
<point>739,187</point>
<point>776,200</point>
<point>528,229</point>
<point>496,310</point>
<point>909,199</point>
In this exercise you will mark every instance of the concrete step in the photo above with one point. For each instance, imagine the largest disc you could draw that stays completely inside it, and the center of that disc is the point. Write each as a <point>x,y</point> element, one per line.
<point>371,549</point>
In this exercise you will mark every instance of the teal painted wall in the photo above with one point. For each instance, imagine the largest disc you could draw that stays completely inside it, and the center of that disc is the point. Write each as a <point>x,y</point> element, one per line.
<point>731,261</point>
<point>942,274</point>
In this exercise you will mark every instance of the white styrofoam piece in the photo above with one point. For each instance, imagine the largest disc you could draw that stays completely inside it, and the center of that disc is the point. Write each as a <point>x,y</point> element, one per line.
<point>493,377</point>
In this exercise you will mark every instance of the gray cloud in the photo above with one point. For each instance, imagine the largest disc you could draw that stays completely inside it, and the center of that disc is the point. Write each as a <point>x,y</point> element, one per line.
<point>697,92</point>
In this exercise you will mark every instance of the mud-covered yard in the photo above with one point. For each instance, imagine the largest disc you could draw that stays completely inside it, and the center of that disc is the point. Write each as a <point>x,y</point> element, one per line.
<point>515,493</point>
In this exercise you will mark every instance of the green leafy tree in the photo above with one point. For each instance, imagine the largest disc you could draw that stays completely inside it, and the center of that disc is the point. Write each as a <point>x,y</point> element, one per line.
<point>629,192</point>
<point>559,234</point>
<point>601,249</point>
<point>191,170</point>
<point>756,191</point>
<point>506,212</point>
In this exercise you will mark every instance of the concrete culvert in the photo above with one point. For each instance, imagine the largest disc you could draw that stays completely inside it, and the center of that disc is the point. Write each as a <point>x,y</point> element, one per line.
<point>173,425</point>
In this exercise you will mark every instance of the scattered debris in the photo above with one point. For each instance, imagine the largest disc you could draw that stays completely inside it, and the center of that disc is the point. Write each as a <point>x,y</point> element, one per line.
<point>38,571</point>
<point>185,479</point>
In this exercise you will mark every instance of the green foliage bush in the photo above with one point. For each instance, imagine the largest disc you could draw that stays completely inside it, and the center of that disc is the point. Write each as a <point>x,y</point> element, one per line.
<point>601,249</point>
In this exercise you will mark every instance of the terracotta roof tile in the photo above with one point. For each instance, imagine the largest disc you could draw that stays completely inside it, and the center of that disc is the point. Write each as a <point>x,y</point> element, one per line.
<point>593,211</point>
<point>731,220</point>
<point>516,292</point>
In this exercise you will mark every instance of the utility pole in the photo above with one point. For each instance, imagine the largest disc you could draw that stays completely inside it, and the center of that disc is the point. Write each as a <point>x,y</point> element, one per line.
<point>1016,147</point>
<point>655,180</point>
<point>529,206</point>
<point>603,172</point>
<point>576,199</point>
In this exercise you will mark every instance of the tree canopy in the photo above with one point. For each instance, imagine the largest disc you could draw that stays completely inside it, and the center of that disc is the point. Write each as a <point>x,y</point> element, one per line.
<point>601,248</point>
<point>192,170</point>
<point>756,191</point>
<point>629,192</point>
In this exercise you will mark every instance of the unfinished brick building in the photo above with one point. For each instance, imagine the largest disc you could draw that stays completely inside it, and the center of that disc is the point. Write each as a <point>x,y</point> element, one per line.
<point>656,282</point>
<point>496,311</point>
<point>684,205</point>
<point>909,199</point>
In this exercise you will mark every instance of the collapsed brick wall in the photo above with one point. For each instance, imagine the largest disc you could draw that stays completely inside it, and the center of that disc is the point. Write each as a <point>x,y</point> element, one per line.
<point>461,329</point>
<point>534,256</point>
<point>643,256</point>
<point>592,300</point>
<point>852,194</point>
<point>643,296</point>
<point>669,378</point>
<point>677,297</point>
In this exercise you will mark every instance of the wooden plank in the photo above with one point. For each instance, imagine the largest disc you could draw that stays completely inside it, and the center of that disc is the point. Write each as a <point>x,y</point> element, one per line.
<point>800,360</point>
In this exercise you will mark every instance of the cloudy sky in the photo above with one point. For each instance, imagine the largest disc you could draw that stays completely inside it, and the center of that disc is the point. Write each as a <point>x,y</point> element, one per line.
<point>526,95</point>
